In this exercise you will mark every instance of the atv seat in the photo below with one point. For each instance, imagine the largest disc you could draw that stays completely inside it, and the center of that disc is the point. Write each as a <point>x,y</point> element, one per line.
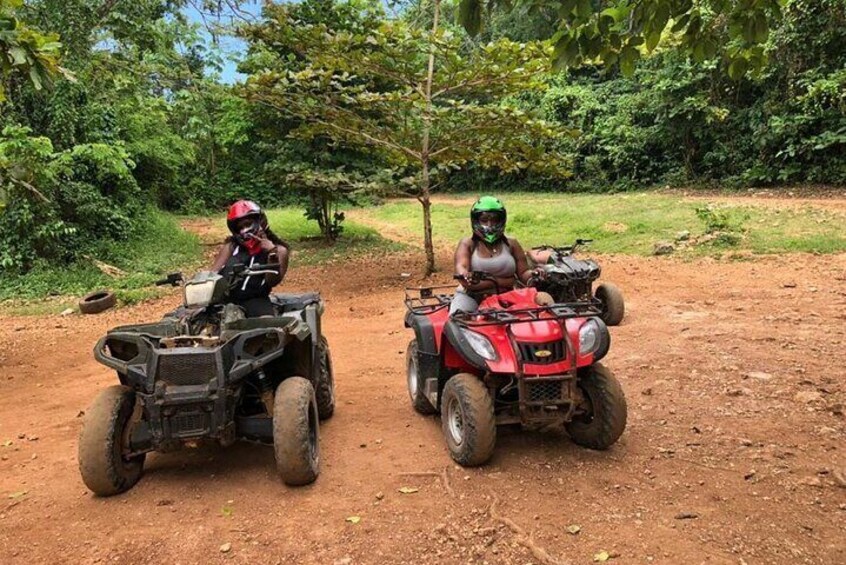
<point>286,302</point>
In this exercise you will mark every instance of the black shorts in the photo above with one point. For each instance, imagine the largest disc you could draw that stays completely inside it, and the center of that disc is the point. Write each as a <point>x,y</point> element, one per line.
<point>256,307</point>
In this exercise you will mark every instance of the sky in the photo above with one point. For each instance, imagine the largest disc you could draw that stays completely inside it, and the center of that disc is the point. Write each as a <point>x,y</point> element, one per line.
<point>229,45</point>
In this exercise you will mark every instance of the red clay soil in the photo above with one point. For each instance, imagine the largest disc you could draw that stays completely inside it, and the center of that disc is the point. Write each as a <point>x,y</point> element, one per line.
<point>734,452</point>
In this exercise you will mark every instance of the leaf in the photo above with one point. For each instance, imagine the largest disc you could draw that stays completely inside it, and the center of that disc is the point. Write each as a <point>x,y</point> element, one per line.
<point>227,511</point>
<point>602,556</point>
<point>409,490</point>
<point>7,443</point>
<point>17,494</point>
<point>584,8</point>
<point>738,68</point>
<point>470,16</point>
<point>354,519</point>
<point>18,55</point>
<point>574,529</point>
<point>652,40</point>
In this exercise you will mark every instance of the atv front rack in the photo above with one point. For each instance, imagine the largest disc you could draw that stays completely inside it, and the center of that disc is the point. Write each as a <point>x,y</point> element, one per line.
<point>495,316</point>
<point>424,300</point>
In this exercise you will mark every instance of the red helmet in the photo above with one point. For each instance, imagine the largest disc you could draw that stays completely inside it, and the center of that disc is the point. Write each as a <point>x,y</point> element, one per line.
<point>244,209</point>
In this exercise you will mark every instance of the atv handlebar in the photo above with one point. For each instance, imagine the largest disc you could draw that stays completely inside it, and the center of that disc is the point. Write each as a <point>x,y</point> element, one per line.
<point>253,270</point>
<point>475,277</point>
<point>564,249</point>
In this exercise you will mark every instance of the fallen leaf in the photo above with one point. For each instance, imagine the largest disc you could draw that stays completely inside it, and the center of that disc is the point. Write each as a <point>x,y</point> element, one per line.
<point>354,519</point>
<point>226,548</point>
<point>409,490</point>
<point>227,511</point>
<point>17,494</point>
<point>602,557</point>
<point>7,443</point>
<point>574,529</point>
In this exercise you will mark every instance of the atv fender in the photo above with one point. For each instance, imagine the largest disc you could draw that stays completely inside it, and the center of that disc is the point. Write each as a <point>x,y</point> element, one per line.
<point>127,353</point>
<point>245,363</point>
<point>428,357</point>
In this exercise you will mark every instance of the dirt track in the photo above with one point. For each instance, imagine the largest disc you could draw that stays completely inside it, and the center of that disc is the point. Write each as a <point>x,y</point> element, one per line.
<point>734,452</point>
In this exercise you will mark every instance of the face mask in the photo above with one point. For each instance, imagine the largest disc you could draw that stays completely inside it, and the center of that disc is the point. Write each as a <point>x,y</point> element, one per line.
<point>249,237</point>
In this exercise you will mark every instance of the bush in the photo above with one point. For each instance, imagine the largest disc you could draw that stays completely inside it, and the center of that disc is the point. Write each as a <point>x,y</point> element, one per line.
<point>57,206</point>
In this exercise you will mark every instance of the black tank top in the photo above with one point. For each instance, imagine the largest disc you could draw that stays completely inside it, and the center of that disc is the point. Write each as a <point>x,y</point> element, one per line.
<point>250,287</point>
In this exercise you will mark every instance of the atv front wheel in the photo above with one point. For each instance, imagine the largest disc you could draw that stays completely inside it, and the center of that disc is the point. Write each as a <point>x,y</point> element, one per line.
<point>613,307</point>
<point>296,436</point>
<point>415,382</point>
<point>467,419</point>
<point>325,390</point>
<point>104,443</point>
<point>604,419</point>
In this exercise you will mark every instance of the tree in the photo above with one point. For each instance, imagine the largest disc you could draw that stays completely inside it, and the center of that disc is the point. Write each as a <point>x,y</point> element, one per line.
<point>422,100</point>
<point>617,31</point>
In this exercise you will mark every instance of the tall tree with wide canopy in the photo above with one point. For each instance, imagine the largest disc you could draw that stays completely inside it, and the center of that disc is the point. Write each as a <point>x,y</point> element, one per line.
<point>422,99</point>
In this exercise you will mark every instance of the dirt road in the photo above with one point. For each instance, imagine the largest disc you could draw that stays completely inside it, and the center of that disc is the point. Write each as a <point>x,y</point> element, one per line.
<point>735,374</point>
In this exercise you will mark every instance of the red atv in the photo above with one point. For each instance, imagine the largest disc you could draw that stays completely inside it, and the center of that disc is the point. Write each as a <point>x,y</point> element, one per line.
<point>520,359</point>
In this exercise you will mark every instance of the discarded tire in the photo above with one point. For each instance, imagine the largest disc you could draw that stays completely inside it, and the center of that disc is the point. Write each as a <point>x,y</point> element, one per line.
<point>97,301</point>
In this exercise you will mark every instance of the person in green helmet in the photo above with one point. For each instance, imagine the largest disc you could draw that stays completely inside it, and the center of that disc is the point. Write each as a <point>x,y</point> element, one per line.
<point>490,251</point>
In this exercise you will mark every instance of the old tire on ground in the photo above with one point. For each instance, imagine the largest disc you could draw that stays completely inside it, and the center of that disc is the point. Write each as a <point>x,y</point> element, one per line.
<point>296,434</point>
<point>468,421</point>
<point>415,382</point>
<point>605,421</point>
<point>325,390</point>
<point>103,467</point>
<point>96,302</point>
<point>612,300</point>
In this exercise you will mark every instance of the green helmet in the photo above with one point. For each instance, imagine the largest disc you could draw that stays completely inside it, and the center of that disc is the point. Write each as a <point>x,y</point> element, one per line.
<point>489,205</point>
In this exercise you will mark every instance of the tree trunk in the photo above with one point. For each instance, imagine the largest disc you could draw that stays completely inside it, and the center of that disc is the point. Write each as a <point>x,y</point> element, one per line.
<point>427,221</point>
<point>424,153</point>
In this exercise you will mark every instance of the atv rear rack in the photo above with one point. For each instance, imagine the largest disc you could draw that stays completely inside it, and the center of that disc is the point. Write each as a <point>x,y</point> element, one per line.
<point>494,316</point>
<point>424,300</point>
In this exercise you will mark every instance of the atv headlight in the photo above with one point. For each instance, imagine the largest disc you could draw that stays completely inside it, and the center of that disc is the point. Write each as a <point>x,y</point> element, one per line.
<point>480,344</point>
<point>589,337</point>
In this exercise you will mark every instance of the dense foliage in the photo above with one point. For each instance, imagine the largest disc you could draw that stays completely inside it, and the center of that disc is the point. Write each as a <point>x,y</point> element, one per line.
<point>677,121</point>
<point>110,110</point>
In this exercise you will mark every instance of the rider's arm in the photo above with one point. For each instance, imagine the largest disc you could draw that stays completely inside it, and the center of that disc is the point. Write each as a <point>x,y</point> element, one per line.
<point>278,255</point>
<point>523,272</point>
<point>223,255</point>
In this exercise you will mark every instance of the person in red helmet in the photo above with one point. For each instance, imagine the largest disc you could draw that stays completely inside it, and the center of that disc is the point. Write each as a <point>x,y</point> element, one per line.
<point>252,243</point>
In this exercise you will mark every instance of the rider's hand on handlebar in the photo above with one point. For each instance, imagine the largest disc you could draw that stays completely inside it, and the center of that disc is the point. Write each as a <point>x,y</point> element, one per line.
<point>466,279</point>
<point>536,275</point>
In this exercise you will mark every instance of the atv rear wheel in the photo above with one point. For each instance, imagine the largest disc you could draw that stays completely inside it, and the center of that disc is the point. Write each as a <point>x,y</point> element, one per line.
<point>415,382</point>
<point>605,418</point>
<point>325,389</point>
<point>467,419</point>
<point>296,434</point>
<point>613,307</point>
<point>104,443</point>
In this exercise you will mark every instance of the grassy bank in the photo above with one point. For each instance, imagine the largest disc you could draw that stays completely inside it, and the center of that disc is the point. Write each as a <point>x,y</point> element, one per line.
<point>166,247</point>
<point>632,223</point>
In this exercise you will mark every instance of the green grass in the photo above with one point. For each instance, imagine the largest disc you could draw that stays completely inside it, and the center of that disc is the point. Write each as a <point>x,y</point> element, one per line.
<point>630,223</point>
<point>308,246</point>
<point>163,248</point>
